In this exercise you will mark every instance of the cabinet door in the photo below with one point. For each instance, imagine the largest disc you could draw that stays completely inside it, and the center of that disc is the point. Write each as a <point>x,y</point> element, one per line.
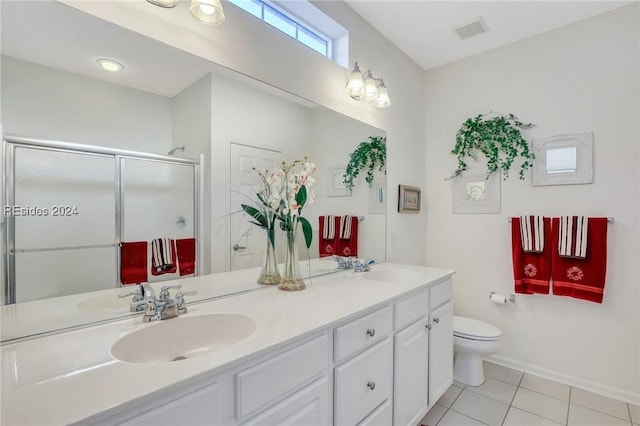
<point>440,351</point>
<point>410,373</point>
<point>197,408</point>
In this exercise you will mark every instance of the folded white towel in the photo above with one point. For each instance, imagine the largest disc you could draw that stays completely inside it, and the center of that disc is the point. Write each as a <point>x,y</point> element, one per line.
<point>532,233</point>
<point>329,231</point>
<point>572,240</point>
<point>345,227</point>
<point>162,254</point>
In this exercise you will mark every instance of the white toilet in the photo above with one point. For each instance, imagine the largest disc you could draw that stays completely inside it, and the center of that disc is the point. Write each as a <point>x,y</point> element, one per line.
<point>472,339</point>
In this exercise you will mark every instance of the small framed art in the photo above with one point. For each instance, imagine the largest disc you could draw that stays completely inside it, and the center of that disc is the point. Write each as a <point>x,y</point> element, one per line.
<point>408,199</point>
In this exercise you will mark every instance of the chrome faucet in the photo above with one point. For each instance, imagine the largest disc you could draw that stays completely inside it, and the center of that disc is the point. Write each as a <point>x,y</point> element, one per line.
<point>163,307</point>
<point>136,296</point>
<point>344,263</point>
<point>365,266</point>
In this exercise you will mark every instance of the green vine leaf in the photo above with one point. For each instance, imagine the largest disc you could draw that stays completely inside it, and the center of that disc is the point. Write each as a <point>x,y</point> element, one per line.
<point>498,139</point>
<point>371,155</point>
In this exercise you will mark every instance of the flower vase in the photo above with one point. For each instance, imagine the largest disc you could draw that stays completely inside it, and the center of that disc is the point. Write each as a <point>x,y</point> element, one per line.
<point>269,274</point>
<point>291,276</point>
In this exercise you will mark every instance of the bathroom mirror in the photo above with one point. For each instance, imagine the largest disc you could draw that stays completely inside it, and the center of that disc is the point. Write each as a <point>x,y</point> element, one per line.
<point>162,100</point>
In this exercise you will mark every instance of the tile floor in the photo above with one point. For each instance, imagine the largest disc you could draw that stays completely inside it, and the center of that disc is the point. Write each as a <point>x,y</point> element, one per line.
<point>512,398</point>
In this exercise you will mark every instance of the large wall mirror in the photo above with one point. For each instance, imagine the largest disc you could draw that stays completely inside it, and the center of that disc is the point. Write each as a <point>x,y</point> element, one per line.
<point>168,100</point>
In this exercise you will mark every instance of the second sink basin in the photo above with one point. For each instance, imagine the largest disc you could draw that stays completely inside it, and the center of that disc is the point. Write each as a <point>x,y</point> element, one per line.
<point>181,338</point>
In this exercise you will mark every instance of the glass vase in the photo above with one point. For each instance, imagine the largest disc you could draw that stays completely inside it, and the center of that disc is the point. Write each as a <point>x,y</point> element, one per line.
<point>291,276</point>
<point>269,274</point>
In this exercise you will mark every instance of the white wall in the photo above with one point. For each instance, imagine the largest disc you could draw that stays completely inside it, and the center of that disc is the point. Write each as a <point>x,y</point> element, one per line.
<point>579,78</point>
<point>191,128</point>
<point>257,50</point>
<point>47,103</point>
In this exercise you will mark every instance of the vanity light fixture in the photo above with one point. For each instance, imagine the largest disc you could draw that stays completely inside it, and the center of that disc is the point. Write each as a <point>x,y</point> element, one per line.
<point>366,87</point>
<point>165,3</point>
<point>110,65</point>
<point>207,11</point>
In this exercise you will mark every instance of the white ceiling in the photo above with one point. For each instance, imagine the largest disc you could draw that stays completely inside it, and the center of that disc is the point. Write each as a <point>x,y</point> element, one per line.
<point>424,29</point>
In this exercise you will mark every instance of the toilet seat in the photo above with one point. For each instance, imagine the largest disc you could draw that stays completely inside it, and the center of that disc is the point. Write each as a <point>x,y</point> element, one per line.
<point>472,329</point>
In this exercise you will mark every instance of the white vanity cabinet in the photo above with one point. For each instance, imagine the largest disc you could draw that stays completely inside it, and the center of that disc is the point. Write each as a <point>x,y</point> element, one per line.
<point>411,385</point>
<point>440,340</point>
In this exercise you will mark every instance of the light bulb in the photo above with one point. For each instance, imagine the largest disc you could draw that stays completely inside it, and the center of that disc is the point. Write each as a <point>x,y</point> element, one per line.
<point>383,100</point>
<point>207,11</point>
<point>370,87</point>
<point>355,85</point>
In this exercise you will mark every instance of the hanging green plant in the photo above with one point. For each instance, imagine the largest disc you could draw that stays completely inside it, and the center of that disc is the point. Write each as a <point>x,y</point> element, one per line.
<point>498,138</point>
<point>369,155</point>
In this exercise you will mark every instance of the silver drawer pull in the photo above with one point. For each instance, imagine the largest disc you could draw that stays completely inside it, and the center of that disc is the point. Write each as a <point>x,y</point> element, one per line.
<point>428,326</point>
<point>371,332</point>
<point>436,320</point>
<point>371,385</point>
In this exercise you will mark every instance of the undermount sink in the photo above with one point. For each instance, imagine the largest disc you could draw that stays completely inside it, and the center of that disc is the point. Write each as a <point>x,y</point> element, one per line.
<point>390,275</point>
<point>181,338</point>
<point>105,302</point>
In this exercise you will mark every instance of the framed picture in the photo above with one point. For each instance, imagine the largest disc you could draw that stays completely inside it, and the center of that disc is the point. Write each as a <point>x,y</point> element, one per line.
<point>476,193</point>
<point>408,199</point>
<point>335,184</point>
<point>563,160</point>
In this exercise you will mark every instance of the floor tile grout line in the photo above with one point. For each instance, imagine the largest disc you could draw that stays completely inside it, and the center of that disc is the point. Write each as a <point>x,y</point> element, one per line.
<point>512,399</point>
<point>569,407</point>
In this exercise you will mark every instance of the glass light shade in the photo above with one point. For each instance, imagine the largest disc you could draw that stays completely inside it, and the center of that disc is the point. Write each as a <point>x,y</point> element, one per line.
<point>165,3</point>
<point>383,100</point>
<point>110,65</point>
<point>371,92</point>
<point>355,85</point>
<point>207,11</point>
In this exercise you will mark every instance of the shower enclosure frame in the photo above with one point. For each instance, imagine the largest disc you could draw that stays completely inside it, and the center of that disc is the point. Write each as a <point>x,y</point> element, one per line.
<point>9,145</point>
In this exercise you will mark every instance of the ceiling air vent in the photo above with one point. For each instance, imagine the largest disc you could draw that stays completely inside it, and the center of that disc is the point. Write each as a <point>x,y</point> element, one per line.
<point>473,28</point>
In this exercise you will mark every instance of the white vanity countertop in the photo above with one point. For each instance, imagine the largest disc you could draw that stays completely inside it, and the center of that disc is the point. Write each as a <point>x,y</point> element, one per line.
<point>67,377</point>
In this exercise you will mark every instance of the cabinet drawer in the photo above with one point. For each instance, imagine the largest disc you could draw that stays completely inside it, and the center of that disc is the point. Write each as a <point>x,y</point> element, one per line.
<point>263,384</point>
<point>411,309</point>
<point>358,334</point>
<point>440,294</point>
<point>382,416</point>
<point>363,383</point>
<point>308,407</point>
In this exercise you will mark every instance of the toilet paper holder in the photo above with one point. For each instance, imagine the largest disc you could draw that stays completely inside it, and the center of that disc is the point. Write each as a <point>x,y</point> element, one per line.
<point>511,298</point>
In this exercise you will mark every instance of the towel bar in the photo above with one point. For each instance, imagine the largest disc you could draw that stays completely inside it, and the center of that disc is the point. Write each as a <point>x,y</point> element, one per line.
<point>610,219</point>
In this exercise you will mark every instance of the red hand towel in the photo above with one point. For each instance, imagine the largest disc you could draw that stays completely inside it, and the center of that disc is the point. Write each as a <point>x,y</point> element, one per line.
<point>531,271</point>
<point>582,278</point>
<point>133,262</point>
<point>161,264</point>
<point>186,249</point>
<point>348,246</point>
<point>327,240</point>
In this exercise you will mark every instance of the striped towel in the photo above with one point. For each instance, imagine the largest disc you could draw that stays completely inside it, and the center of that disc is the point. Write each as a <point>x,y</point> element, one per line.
<point>572,240</point>
<point>329,229</point>
<point>345,227</point>
<point>532,234</point>
<point>162,254</point>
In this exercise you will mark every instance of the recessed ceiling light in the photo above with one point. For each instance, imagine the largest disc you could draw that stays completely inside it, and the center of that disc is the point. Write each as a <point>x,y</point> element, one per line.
<point>110,65</point>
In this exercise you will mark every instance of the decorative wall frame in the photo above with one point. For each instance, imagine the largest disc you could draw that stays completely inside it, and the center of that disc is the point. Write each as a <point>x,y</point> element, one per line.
<point>335,182</point>
<point>476,193</point>
<point>408,199</point>
<point>563,160</point>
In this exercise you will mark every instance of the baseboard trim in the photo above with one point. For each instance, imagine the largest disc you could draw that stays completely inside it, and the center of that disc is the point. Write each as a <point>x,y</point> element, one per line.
<point>578,382</point>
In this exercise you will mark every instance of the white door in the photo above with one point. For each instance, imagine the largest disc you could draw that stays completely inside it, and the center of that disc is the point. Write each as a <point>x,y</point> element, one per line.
<point>410,378</point>
<point>248,241</point>
<point>440,351</point>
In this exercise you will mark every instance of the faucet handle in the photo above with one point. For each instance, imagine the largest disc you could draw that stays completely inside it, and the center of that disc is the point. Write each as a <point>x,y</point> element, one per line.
<point>164,291</point>
<point>135,292</point>
<point>180,300</point>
